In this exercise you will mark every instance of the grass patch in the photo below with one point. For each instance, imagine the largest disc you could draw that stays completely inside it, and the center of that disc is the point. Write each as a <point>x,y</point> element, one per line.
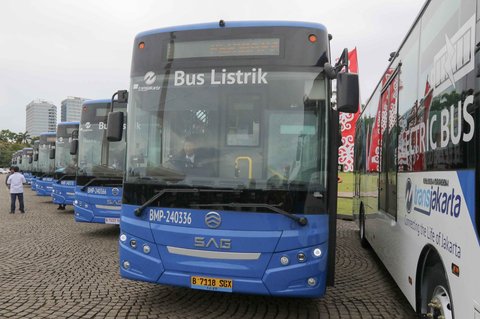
<point>344,205</point>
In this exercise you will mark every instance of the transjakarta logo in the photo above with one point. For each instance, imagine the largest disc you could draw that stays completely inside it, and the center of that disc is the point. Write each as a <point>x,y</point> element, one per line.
<point>149,78</point>
<point>255,76</point>
<point>431,198</point>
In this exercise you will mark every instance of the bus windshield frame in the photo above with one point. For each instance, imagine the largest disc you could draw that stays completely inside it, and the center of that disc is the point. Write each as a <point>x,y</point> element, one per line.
<point>265,136</point>
<point>65,163</point>
<point>96,156</point>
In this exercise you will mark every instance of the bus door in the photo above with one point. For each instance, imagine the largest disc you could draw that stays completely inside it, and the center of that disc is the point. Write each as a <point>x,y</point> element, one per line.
<point>387,199</point>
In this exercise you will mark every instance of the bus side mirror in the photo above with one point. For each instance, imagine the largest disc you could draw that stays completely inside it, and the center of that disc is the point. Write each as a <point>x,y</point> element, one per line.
<point>115,126</point>
<point>348,95</point>
<point>74,147</point>
<point>35,157</point>
<point>52,154</point>
<point>30,160</point>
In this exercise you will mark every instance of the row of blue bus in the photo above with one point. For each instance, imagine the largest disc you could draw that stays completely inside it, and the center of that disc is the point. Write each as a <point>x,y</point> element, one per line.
<point>78,166</point>
<point>225,177</point>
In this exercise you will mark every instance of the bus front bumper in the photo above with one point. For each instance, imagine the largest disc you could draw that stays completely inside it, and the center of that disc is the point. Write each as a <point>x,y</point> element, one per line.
<point>296,279</point>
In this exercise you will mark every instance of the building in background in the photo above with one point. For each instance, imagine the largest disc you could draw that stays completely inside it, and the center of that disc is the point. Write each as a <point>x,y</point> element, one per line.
<point>41,117</point>
<point>71,109</point>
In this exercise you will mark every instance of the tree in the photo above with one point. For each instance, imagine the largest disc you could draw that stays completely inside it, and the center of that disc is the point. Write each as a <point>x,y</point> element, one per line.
<point>8,136</point>
<point>23,138</point>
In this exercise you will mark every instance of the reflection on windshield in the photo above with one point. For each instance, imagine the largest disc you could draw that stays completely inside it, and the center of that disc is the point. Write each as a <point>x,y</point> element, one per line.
<point>270,135</point>
<point>64,162</point>
<point>45,164</point>
<point>97,157</point>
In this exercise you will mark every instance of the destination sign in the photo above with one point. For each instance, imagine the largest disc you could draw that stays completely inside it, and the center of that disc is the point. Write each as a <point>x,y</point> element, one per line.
<point>223,48</point>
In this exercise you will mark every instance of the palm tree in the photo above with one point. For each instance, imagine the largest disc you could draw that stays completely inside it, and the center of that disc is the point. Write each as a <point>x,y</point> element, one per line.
<point>23,137</point>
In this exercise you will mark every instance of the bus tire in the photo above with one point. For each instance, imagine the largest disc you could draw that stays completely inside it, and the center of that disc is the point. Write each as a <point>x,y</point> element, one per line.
<point>363,239</point>
<point>436,300</point>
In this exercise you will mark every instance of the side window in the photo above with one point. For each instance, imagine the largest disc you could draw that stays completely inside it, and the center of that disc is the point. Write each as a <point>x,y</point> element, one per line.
<point>388,134</point>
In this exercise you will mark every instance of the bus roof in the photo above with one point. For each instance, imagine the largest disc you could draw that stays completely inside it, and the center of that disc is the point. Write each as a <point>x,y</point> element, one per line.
<point>68,123</point>
<point>415,22</point>
<point>234,24</point>
<point>99,101</point>
<point>48,134</point>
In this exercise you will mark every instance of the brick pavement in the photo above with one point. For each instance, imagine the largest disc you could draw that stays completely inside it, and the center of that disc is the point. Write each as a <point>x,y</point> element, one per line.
<point>52,267</point>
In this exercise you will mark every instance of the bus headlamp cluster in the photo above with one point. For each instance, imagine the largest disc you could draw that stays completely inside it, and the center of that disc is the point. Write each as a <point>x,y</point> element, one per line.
<point>134,244</point>
<point>80,203</point>
<point>301,256</point>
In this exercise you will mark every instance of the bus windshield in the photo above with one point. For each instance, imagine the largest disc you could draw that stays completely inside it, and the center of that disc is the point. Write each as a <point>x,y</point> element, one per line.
<point>45,164</point>
<point>97,157</point>
<point>201,131</point>
<point>64,162</point>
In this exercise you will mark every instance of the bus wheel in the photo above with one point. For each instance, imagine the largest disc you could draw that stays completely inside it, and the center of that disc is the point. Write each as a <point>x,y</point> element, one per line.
<point>438,299</point>
<point>363,239</point>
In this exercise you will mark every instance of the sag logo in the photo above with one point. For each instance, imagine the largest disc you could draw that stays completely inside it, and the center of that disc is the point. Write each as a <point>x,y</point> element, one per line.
<point>213,220</point>
<point>408,195</point>
<point>88,125</point>
<point>149,78</point>
<point>115,191</point>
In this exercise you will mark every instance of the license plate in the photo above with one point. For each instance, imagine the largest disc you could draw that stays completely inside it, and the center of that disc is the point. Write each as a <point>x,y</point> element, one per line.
<point>209,283</point>
<point>112,221</point>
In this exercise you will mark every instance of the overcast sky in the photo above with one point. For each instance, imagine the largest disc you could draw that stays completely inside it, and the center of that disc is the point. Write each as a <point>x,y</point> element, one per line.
<point>51,49</point>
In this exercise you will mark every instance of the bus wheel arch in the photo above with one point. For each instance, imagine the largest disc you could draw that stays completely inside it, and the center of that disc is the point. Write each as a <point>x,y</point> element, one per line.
<point>361,225</point>
<point>432,287</point>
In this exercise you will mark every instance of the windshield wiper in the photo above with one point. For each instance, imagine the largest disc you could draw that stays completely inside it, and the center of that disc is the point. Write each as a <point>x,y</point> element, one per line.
<point>63,177</point>
<point>302,221</point>
<point>138,211</point>
<point>95,179</point>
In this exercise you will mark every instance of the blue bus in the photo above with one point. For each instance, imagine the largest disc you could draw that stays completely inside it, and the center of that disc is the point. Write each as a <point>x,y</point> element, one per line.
<point>46,164</point>
<point>26,164</point>
<point>98,191</point>
<point>231,166</point>
<point>63,192</point>
<point>35,170</point>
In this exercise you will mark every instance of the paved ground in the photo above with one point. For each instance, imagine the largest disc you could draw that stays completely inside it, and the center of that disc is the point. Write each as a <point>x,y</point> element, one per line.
<point>52,267</point>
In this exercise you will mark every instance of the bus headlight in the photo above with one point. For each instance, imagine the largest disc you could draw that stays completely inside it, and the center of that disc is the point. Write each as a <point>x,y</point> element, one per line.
<point>146,249</point>
<point>133,243</point>
<point>123,237</point>
<point>126,264</point>
<point>301,257</point>
<point>317,252</point>
<point>311,281</point>
<point>75,202</point>
<point>284,260</point>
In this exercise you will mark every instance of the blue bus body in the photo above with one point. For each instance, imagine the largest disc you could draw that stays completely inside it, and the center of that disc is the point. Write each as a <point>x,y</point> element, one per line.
<point>63,186</point>
<point>46,165</point>
<point>63,192</point>
<point>27,164</point>
<point>35,171</point>
<point>258,214</point>
<point>253,263</point>
<point>33,183</point>
<point>44,186</point>
<point>98,204</point>
<point>98,190</point>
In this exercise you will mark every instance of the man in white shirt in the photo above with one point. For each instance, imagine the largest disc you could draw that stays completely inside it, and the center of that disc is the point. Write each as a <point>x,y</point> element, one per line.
<point>15,183</point>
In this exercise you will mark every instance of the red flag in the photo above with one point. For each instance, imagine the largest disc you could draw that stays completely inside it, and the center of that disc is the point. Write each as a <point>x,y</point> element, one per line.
<point>379,126</point>
<point>347,123</point>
